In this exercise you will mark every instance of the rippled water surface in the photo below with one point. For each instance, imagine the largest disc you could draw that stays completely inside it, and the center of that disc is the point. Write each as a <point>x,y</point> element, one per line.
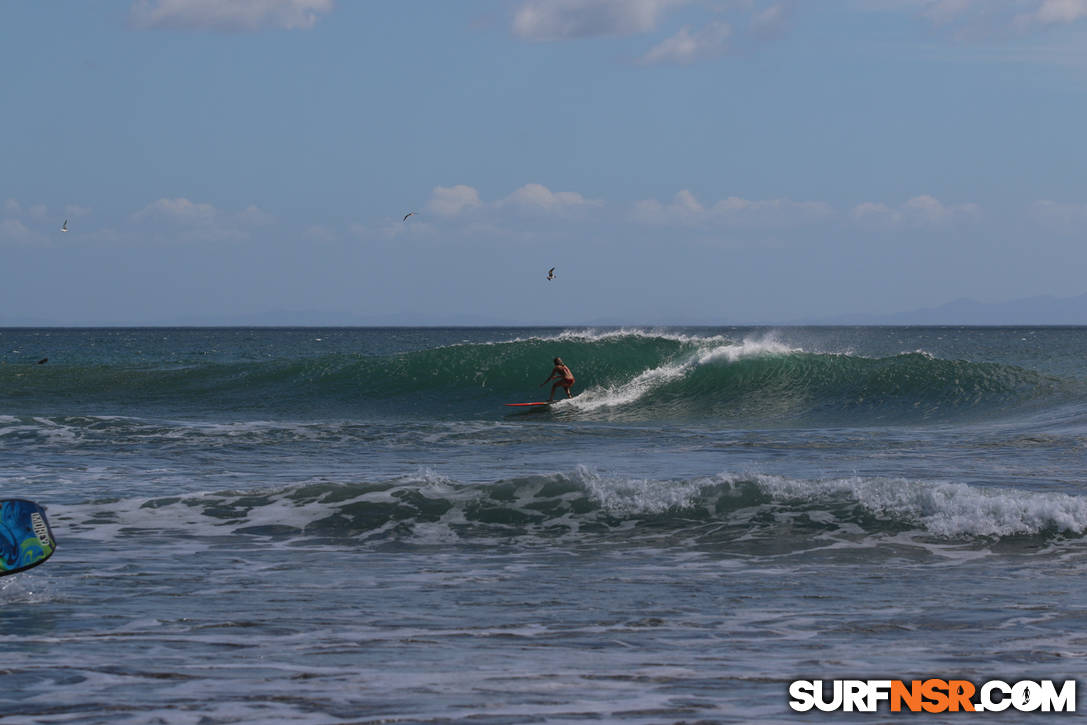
<point>348,525</point>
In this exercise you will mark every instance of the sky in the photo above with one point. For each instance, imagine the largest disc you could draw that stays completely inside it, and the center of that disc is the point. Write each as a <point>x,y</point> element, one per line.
<point>676,161</point>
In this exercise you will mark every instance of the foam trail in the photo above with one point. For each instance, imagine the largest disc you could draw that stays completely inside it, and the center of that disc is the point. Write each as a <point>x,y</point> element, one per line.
<point>655,378</point>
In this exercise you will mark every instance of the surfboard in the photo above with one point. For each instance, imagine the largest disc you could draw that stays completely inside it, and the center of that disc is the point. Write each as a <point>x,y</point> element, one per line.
<point>25,537</point>
<point>526,405</point>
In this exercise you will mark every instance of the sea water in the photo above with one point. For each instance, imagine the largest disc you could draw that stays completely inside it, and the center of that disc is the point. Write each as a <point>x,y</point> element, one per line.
<point>347,525</point>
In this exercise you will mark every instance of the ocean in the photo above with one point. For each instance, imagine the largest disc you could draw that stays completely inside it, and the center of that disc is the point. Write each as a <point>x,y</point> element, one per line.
<point>317,525</point>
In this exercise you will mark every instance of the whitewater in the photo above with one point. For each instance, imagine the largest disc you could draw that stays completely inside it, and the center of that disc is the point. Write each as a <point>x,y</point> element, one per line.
<point>345,525</point>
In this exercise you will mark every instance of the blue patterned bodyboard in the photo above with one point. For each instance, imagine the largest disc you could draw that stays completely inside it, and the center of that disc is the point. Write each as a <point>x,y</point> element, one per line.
<point>25,537</point>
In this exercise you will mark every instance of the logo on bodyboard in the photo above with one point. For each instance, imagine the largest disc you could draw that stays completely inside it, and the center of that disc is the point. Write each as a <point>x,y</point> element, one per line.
<point>41,530</point>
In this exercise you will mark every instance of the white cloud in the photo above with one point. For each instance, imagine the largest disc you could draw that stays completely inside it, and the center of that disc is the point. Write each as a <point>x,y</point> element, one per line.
<point>685,47</point>
<point>733,211</point>
<point>228,15</point>
<point>23,223</point>
<point>550,20</point>
<point>876,212</point>
<point>686,201</point>
<point>932,211</point>
<point>770,21</point>
<point>181,219</point>
<point>1061,11</point>
<point>40,212</point>
<point>452,200</point>
<point>920,210</point>
<point>1021,14</point>
<point>773,211</point>
<point>14,231</point>
<point>926,208</point>
<point>543,20</point>
<point>540,197</point>
<point>179,210</point>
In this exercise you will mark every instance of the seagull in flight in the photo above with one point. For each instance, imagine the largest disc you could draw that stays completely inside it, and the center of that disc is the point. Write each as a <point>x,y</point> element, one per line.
<point>550,274</point>
<point>407,215</point>
<point>64,227</point>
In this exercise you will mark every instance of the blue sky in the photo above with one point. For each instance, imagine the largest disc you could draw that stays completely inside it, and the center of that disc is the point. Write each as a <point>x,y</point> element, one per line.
<point>703,161</point>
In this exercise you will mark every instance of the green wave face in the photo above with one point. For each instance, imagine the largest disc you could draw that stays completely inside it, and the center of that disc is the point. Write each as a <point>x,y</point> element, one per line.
<point>620,376</point>
<point>800,386</point>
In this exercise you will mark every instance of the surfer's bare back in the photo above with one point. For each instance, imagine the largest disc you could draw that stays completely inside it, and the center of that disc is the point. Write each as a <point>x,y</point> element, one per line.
<point>565,379</point>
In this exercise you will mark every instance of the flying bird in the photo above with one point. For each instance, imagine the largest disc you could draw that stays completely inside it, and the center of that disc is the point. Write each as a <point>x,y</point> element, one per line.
<point>551,274</point>
<point>407,215</point>
<point>64,226</point>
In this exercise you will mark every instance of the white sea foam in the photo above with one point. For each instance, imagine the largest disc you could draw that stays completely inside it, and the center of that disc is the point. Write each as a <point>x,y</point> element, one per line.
<point>941,508</point>
<point>642,496</point>
<point>945,508</point>
<point>18,590</point>
<point>653,379</point>
<point>429,478</point>
<point>597,335</point>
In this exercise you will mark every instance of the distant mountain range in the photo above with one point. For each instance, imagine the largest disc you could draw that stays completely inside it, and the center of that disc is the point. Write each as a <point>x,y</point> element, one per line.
<point>1041,310</point>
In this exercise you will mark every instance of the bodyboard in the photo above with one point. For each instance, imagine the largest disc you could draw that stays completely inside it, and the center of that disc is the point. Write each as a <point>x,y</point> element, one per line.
<point>25,537</point>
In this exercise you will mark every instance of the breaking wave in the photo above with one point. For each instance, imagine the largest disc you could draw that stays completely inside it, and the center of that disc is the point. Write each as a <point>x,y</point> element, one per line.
<point>752,513</point>
<point>622,375</point>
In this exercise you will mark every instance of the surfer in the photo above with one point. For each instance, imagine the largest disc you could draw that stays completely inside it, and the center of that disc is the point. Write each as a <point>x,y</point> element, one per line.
<point>565,379</point>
